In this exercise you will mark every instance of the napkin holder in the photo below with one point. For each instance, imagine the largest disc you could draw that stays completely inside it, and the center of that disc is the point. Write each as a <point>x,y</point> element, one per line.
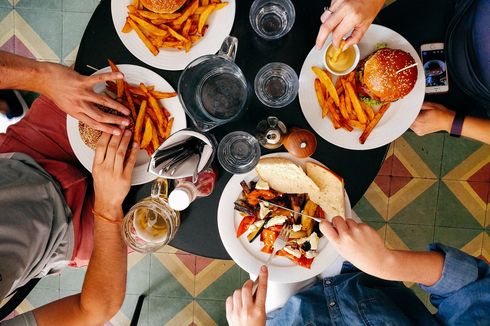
<point>186,167</point>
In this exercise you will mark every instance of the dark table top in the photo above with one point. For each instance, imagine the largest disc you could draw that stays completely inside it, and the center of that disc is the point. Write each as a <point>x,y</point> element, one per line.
<point>198,233</point>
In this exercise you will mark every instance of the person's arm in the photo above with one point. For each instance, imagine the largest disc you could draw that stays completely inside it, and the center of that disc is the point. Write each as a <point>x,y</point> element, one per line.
<point>345,16</point>
<point>70,91</point>
<point>243,309</point>
<point>104,286</point>
<point>436,117</point>
<point>457,282</point>
<point>476,128</point>
<point>363,247</point>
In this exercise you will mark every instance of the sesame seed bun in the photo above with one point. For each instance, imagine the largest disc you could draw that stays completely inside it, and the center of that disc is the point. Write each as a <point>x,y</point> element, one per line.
<point>380,79</point>
<point>90,136</point>
<point>163,6</point>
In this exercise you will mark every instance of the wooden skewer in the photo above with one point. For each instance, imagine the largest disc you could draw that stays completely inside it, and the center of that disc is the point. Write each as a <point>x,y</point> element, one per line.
<point>407,67</point>
<point>93,68</point>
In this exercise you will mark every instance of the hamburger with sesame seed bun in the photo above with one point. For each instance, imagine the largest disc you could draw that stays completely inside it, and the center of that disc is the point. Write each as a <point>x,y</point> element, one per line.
<point>90,136</point>
<point>163,6</point>
<point>377,79</point>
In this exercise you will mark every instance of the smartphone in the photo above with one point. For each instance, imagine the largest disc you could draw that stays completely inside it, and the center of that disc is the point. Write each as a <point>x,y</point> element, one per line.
<point>435,68</point>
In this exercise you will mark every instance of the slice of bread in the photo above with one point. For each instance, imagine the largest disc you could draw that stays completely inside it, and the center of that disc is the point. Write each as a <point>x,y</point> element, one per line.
<point>330,197</point>
<point>283,175</point>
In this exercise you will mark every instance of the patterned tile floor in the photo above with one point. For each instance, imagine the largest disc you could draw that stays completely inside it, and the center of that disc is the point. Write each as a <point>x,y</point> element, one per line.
<point>432,188</point>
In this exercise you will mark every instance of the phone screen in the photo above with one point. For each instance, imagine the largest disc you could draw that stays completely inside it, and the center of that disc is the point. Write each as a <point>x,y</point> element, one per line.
<point>435,68</point>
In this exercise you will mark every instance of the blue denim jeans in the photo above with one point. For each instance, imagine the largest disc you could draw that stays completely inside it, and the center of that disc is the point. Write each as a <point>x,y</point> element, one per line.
<point>462,297</point>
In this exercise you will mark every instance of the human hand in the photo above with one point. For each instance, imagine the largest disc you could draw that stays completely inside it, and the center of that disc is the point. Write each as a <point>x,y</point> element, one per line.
<point>112,171</point>
<point>242,309</point>
<point>344,16</point>
<point>73,94</point>
<point>433,117</point>
<point>358,243</point>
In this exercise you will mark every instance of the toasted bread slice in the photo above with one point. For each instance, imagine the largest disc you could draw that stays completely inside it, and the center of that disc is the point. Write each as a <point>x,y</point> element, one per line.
<point>330,196</point>
<point>283,175</point>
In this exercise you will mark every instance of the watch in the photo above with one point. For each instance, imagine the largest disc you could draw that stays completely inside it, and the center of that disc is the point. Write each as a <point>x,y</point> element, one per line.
<point>457,126</point>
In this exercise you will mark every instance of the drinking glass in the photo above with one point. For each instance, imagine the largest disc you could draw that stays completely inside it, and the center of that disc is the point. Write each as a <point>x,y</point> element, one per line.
<point>272,19</point>
<point>212,89</point>
<point>151,223</point>
<point>238,152</point>
<point>276,84</point>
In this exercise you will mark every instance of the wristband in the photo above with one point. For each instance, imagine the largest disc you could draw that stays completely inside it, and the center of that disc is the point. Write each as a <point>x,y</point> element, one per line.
<point>457,126</point>
<point>104,218</point>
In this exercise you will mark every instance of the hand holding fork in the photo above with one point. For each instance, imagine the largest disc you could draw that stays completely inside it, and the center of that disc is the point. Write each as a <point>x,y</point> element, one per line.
<point>279,244</point>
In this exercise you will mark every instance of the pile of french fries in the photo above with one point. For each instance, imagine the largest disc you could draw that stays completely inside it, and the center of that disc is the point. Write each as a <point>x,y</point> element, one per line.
<point>341,104</point>
<point>152,121</point>
<point>179,30</point>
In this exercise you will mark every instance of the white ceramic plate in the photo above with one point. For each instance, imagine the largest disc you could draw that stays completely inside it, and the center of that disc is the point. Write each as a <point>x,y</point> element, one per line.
<point>395,121</point>
<point>247,255</point>
<point>220,23</point>
<point>133,75</point>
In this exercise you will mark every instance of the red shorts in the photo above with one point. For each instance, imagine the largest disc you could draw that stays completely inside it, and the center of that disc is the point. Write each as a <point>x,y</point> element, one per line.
<point>41,134</point>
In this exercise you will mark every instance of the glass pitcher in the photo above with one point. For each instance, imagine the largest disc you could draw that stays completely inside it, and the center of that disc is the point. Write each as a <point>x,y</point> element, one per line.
<point>212,89</point>
<point>151,223</point>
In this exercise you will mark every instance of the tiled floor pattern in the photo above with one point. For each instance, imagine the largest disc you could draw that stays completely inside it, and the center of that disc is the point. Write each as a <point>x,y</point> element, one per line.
<point>432,188</point>
<point>48,30</point>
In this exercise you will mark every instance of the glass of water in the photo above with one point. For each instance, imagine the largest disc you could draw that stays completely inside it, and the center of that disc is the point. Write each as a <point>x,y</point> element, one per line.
<point>239,152</point>
<point>276,84</point>
<point>272,19</point>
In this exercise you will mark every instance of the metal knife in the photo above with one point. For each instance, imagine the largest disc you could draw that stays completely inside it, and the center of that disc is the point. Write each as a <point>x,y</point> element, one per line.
<point>292,211</point>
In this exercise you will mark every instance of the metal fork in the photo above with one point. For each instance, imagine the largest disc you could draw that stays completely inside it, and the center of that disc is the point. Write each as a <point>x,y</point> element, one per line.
<point>279,244</point>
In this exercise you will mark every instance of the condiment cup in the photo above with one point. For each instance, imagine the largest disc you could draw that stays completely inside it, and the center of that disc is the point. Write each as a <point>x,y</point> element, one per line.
<point>345,72</point>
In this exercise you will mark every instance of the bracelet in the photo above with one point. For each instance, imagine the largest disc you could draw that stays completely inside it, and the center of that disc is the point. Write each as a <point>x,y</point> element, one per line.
<point>104,218</point>
<point>457,126</point>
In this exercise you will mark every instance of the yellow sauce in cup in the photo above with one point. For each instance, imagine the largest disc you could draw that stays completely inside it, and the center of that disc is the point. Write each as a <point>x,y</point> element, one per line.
<point>344,61</point>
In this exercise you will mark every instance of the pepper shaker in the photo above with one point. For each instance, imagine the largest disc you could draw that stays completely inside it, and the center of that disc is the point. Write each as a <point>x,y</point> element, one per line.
<point>271,132</point>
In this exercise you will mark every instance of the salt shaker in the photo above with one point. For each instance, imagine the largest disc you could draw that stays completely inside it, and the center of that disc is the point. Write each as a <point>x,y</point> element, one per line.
<point>186,191</point>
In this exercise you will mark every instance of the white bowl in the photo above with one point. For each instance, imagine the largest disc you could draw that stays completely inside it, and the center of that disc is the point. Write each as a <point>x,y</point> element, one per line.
<point>348,70</point>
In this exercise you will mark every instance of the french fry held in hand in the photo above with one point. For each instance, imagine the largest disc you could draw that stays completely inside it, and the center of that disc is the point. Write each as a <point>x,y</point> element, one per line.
<point>340,102</point>
<point>179,30</point>
<point>338,51</point>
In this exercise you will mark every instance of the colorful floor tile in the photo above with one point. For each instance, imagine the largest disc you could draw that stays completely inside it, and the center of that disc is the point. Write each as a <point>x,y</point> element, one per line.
<point>465,159</point>
<point>486,245</point>
<point>74,23</point>
<point>87,6</point>
<point>462,204</point>
<point>6,4</point>
<point>416,156</point>
<point>54,5</point>
<point>431,188</point>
